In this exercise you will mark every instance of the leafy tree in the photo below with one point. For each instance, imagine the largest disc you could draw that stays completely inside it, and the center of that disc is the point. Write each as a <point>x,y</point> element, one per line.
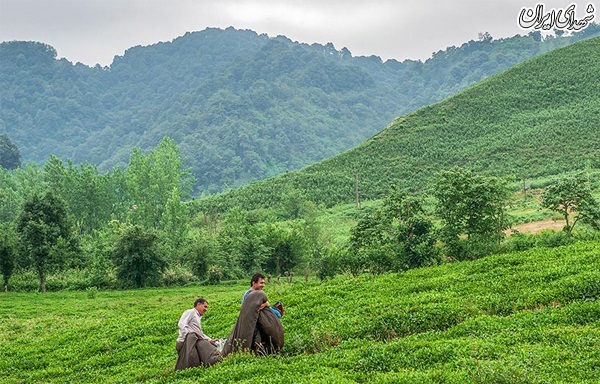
<point>10,157</point>
<point>9,196</point>
<point>91,197</point>
<point>241,244</point>
<point>16,186</point>
<point>152,180</point>
<point>310,238</point>
<point>175,220</point>
<point>572,197</point>
<point>396,236</point>
<point>200,253</point>
<point>471,206</point>
<point>137,255</point>
<point>7,253</point>
<point>284,248</point>
<point>41,224</point>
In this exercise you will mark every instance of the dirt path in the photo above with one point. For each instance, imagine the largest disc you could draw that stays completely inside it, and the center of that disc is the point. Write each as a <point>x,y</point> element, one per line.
<point>537,226</point>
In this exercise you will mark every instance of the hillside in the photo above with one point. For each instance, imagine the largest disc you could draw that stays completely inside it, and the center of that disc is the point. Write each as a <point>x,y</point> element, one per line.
<point>528,317</point>
<point>241,106</point>
<point>539,118</point>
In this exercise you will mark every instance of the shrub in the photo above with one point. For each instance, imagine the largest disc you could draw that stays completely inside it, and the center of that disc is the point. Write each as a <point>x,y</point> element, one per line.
<point>137,256</point>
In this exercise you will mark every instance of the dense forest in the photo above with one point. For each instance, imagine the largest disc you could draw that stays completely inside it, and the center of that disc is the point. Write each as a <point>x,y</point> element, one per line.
<point>537,119</point>
<point>241,106</point>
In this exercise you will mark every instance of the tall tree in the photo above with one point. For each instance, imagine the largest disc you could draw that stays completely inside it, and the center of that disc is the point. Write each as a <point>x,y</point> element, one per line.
<point>16,186</point>
<point>91,197</point>
<point>472,206</point>
<point>396,236</point>
<point>42,222</point>
<point>10,157</point>
<point>151,180</point>
<point>572,198</point>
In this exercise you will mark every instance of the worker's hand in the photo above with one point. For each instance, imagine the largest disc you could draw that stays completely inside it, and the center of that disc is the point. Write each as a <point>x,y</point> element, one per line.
<point>264,305</point>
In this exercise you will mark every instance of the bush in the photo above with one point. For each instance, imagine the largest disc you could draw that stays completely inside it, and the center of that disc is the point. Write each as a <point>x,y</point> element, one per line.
<point>518,242</point>
<point>330,263</point>
<point>198,254</point>
<point>552,239</point>
<point>138,259</point>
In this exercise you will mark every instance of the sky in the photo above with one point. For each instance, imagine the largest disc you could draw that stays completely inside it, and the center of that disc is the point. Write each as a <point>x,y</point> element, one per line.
<point>94,31</point>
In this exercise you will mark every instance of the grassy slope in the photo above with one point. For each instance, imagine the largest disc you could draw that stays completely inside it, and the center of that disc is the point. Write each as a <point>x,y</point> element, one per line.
<point>530,317</point>
<point>537,119</point>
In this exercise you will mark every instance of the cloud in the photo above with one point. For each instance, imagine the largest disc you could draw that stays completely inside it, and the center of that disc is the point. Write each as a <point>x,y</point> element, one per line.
<point>94,31</point>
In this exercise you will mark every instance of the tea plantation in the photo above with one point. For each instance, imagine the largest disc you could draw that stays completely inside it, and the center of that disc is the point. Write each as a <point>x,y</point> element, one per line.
<point>528,317</point>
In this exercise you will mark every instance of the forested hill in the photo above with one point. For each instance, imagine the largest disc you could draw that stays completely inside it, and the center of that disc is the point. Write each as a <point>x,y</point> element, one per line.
<point>241,106</point>
<point>537,119</point>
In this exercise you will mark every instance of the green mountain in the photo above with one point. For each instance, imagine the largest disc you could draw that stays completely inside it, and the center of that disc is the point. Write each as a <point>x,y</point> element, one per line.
<point>241,106</point>
<point>539,118</point>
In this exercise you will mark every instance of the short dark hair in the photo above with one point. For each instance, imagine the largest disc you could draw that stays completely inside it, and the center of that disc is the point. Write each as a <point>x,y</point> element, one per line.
<point>255,278</point>
<point>201,300</point>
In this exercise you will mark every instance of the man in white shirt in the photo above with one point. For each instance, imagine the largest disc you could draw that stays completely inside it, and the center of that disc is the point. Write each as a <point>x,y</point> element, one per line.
<point>193,346</point>
<point>191,321</point>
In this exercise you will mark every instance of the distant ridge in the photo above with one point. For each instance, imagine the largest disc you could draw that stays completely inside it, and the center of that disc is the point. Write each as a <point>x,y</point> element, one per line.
<point>539,118</point>
<point>241,106</point>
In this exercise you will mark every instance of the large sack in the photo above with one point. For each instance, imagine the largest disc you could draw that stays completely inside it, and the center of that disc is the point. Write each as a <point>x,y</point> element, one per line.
<point>270,331</point>
<point>241,337</point>
<point>195,351</point>
<point>254,330</point>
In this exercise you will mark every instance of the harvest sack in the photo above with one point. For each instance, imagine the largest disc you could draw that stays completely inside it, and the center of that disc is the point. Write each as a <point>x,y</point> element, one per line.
<point>254,330</point>
<point>195,351</point>
<point>269,339</point>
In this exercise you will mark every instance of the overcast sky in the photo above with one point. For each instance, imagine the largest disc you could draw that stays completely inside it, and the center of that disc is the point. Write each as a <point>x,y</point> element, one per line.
<point>94,31</point>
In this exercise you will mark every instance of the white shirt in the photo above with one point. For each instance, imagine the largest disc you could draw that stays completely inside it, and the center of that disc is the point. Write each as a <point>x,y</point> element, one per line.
<point>190,321</point>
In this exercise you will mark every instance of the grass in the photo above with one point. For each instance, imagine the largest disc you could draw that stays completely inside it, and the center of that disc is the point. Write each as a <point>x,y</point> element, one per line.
<point>528,317</point>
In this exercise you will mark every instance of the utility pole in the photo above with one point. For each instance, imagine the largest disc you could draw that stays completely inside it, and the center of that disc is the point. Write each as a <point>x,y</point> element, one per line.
<point>357,191</point>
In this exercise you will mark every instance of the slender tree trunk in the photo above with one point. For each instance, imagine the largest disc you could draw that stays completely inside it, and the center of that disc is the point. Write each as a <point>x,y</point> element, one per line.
<point>42,283</point>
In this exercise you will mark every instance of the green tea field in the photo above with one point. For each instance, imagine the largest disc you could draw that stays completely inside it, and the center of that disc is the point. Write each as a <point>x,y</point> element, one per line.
<point>528,317</point>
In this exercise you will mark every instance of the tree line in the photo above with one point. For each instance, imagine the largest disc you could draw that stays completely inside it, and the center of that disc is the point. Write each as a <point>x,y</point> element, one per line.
<point>137,226</point>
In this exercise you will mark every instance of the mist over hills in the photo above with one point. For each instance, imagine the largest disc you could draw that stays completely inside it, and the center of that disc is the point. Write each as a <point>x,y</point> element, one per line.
<point>538,119</point>
<point>241,106</point>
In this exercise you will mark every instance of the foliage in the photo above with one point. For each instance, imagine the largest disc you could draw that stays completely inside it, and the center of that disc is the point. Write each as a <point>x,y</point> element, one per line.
<point>91,197</point>
<point>527,317</point>
<point>573,196</point>
<point>15,187</point>
<point>395,237</point>
<point>472,206</point>
<point>242,106</point>
<point>138,258</point>
<point>41,225</point>
<point>10,157</point>
<point>199,253</point>
<point>156,183</point>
